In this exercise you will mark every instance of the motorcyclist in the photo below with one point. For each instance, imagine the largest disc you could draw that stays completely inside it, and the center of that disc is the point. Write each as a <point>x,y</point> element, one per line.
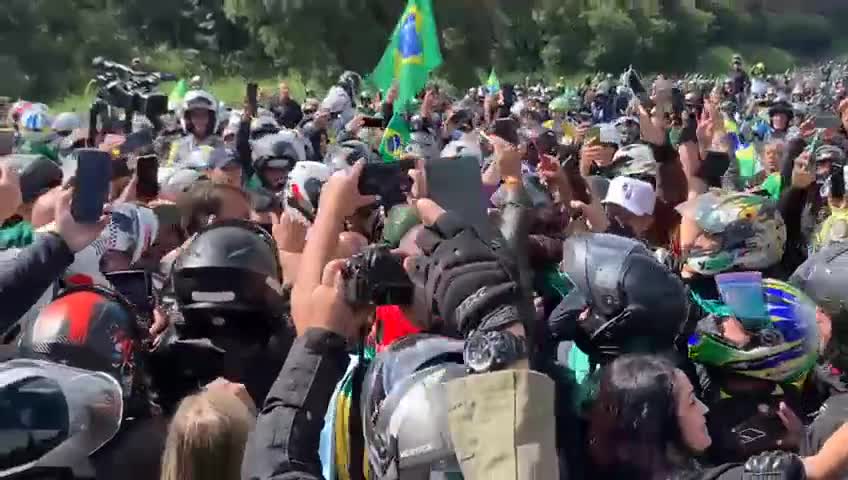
<point>228,313</point>
<point>199,119</point>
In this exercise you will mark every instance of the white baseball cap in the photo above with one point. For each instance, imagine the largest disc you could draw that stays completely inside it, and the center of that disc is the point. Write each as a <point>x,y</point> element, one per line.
<point>636,196</point>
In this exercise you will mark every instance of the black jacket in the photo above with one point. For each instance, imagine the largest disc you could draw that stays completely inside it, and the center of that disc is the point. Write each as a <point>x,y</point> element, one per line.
<point>284,445</point>
<point>24,278</point>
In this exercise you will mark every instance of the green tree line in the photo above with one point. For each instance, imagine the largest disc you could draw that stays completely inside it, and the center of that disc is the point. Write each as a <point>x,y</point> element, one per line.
<point>46,45</point>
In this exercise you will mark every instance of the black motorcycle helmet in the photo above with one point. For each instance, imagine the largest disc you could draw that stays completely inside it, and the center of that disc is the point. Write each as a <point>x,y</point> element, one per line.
<point>623,300</point>
<point>93,328</point>
<point>228,280</point>
<point>404,407</point>
<point>55,418</point>
<point>823,277</point>
<point>37,173</point>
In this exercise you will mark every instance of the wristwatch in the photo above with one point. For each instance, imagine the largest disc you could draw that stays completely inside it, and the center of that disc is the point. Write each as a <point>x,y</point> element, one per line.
<point>493,350</point>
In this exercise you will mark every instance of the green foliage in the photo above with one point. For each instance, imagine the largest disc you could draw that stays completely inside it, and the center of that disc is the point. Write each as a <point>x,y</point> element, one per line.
<point>46,45</point>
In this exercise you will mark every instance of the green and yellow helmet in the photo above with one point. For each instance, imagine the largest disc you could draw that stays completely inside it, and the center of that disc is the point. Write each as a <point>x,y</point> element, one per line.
<point>782,347</point>
<point>734,231</point>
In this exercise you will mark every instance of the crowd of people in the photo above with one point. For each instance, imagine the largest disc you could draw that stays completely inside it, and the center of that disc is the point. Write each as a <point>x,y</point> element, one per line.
<point>297,291</point>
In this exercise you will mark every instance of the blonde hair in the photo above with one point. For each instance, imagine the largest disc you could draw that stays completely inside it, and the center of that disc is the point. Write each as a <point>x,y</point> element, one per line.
<point>207,438</point>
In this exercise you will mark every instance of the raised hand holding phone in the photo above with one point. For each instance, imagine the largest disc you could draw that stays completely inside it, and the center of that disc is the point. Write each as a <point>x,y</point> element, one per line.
<point>91,190</point>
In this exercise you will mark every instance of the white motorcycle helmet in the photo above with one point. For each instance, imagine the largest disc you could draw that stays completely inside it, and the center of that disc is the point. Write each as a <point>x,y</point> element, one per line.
<point>199,100</point>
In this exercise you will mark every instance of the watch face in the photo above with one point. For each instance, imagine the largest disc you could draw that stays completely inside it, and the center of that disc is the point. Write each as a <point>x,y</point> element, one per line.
<point>478,354</point>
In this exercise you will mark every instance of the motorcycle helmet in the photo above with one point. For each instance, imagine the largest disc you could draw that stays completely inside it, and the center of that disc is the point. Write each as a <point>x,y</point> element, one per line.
<point>228,271</point>
<point>38,174</point>
<point>65,123</point>
<point>281,151</point>
<point>623,299</point>
<point>404,405</point>
<point>351,83</point>
<point>199,100</point>
<point>344,155</point>
<point>34,120</point>
<point>55,417</point>
<point>635,161</point>
<point>89,327</point>
<point>303,190</point>
<point>744,231</point>
<point>821,278</point>
<point>263,125</point>
<point>628,128</point>
<point>834,229</point>
<point>781,347</point>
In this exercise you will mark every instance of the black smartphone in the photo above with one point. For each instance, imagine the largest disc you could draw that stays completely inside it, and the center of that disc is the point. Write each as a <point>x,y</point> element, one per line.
<point>372,122</point>
<point>638,89</point>
<point>136,141</point>
<point>91,188</point>
<point>507,129</point>
<point>837,182</point>
<point>455,184</point>
<point>678,101</point>
<point>147,170</point>
<point>376,178</point>
<point>252,97</point>
<point>761,431</point>
<point>136,286</point>
<point>7,141</point>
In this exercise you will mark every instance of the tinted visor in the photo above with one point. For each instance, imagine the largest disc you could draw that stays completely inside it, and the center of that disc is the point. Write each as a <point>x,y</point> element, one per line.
<point>54,416</point>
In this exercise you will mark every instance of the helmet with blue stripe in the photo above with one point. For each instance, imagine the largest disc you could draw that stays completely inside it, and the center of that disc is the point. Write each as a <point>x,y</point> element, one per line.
<point>781,345</point>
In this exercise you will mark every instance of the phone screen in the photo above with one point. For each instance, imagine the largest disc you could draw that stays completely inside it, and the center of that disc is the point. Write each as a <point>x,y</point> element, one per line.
<point>147,169</point>
<point>372,122</point>
<point>455,184</point>
<point>507,129</point>
<point>91,190</point>
<point>379,178</point>
<point>7,141</point>
<point>136,286</point>
<point>593,135</point>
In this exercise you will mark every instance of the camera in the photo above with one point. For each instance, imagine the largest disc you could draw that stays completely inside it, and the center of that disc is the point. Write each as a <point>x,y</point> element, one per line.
<point>376,277</point>
<point>130,90</point>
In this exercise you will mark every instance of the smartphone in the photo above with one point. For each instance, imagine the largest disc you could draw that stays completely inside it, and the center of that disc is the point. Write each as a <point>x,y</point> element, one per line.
<point>136,141</point>
<point>507,129</point>
<point>761,431</point>
<point>7,141</point>
<point>593,135</point>
<point>372,122</point>
<point>455,184</point>
<point>136,286</point>
<point>147,170</point>
<point>837,181</point>
<point>91,191</point>
<point>678,101</point>
<point>378,178</point>
<point>827,121</point>
<point>252,97</point>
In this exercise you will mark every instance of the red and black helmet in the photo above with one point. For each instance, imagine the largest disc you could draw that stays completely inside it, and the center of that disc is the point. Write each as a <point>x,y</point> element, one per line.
<point>88,327</point>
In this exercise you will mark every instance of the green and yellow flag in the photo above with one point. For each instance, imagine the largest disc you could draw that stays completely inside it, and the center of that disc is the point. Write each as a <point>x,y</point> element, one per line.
<point>412,53</point>
<point>395,139</point>
<point>493,85</point>
<point>175,98</point>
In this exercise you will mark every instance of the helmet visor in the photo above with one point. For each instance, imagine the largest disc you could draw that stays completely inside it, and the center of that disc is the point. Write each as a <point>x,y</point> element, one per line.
<point>54,416</point>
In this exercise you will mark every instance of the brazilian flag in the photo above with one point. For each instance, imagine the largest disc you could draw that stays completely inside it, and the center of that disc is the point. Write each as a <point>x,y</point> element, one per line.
<point>412,53</point>
<point>395,139</point>
<point>493,85</point>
